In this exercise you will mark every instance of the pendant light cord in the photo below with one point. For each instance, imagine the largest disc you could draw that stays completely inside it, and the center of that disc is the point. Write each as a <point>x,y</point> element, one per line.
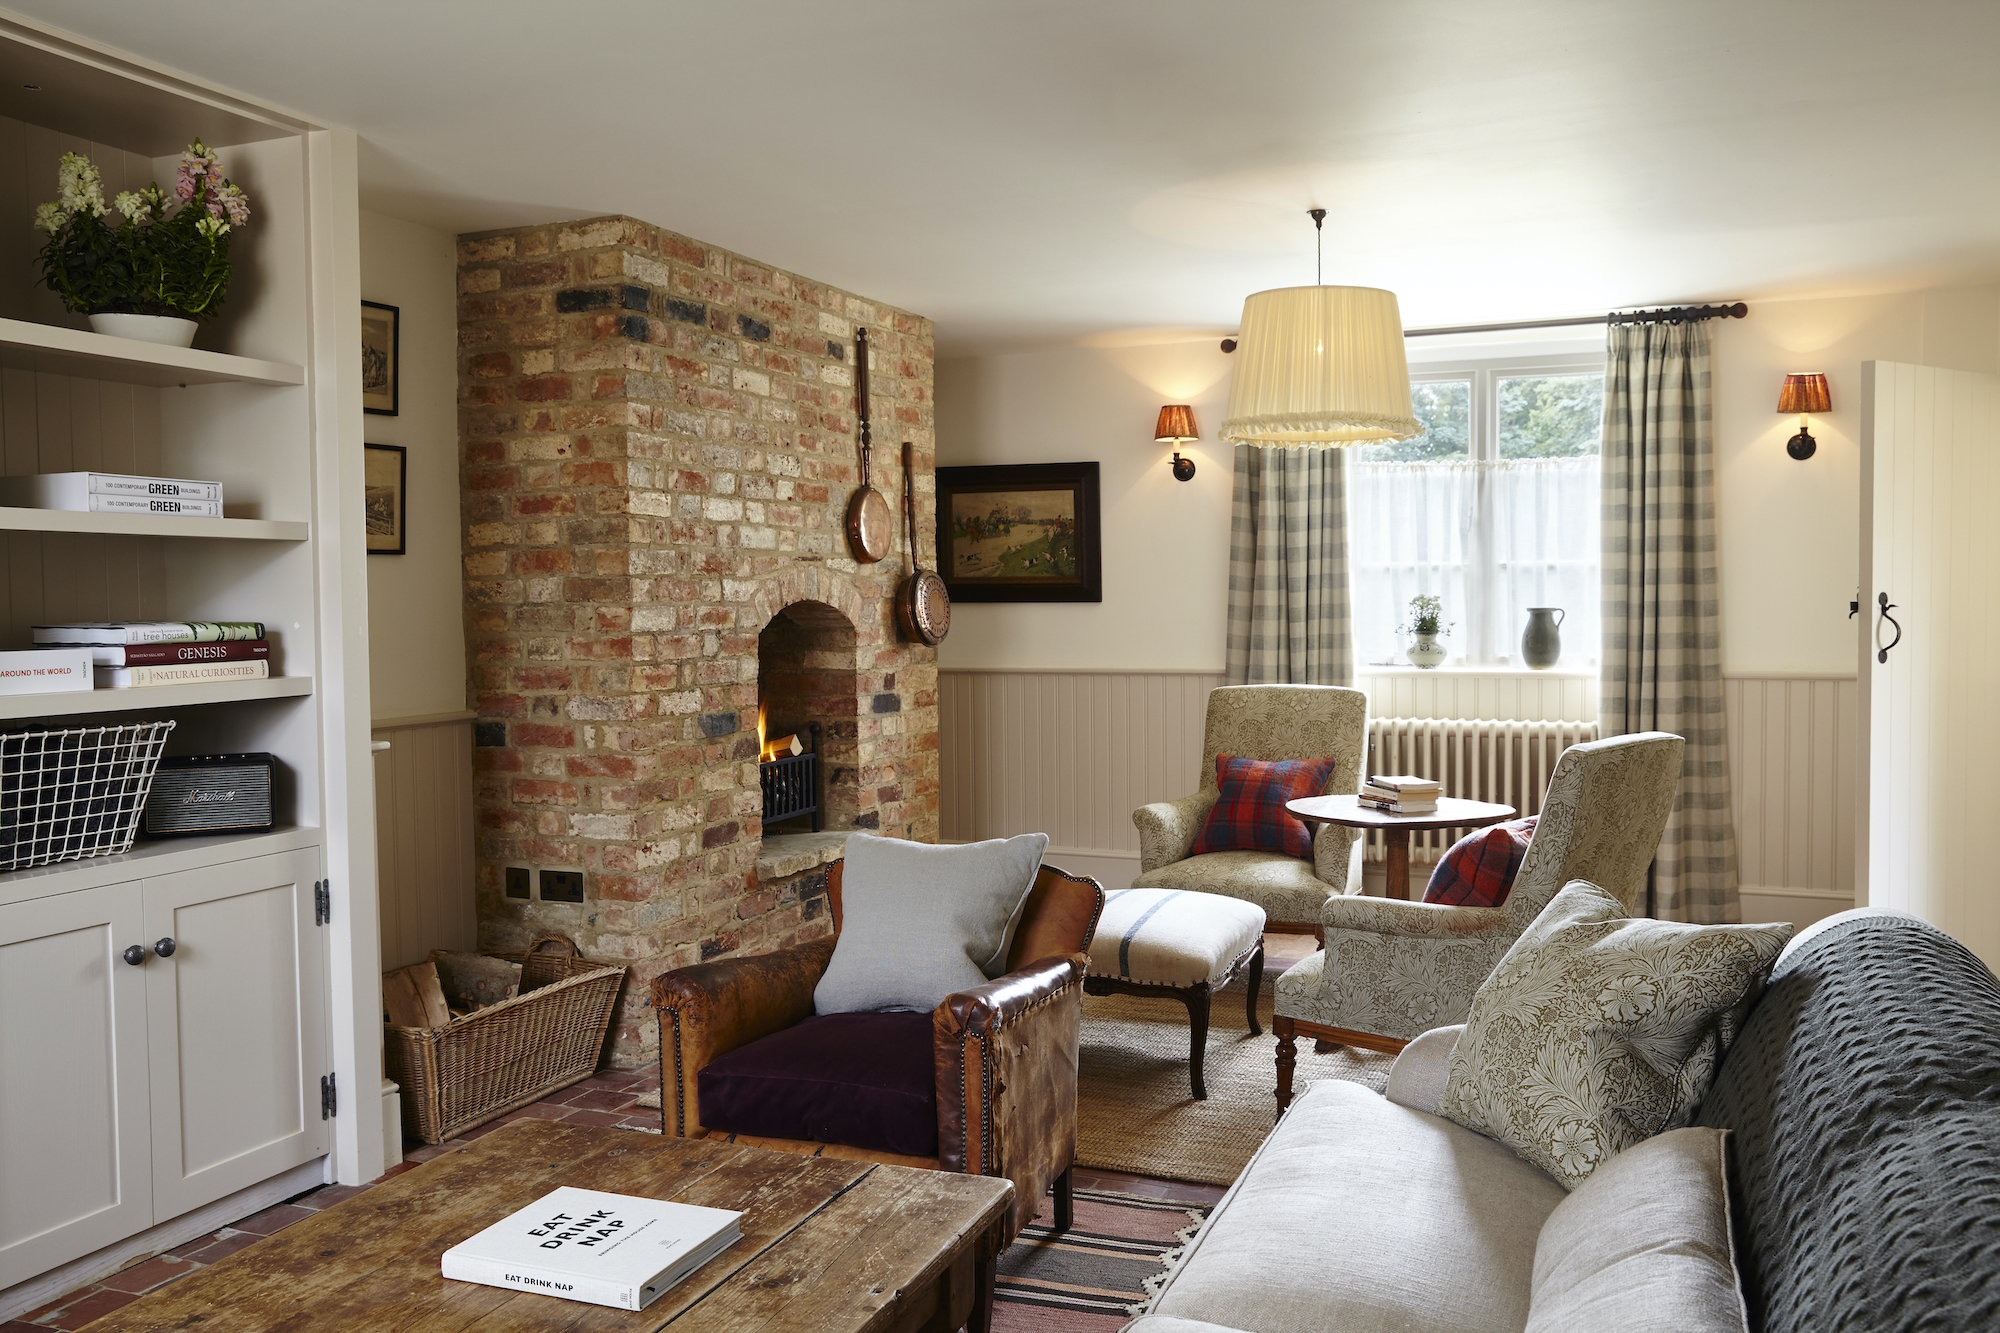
<point>1319,245</point>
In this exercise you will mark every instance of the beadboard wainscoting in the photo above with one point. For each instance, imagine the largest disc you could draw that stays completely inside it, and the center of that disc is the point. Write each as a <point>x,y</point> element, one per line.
<point>1073,753</point>
<point>423,835</point>
<point>1794,784</point>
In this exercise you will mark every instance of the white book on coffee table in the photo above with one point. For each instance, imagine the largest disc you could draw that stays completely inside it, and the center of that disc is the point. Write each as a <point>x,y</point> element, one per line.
<point>586,1245</point>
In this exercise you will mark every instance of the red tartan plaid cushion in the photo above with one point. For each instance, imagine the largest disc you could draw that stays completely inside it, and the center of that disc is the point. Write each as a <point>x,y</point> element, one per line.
<point>1250,814</point>
<point>1479,869</point>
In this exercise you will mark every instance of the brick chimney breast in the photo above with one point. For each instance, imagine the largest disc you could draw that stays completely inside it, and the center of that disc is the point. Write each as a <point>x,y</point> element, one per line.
<point>657,445</point>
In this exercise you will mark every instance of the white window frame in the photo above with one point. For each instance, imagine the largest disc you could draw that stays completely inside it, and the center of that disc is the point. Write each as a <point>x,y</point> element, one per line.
<point>1483,435</point>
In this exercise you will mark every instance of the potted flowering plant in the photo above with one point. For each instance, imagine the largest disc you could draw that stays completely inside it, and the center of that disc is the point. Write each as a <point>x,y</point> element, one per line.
<point>1425,614</point>
<point>148,265</point>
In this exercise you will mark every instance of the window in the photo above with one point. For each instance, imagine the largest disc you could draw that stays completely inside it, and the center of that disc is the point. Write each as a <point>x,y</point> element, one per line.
<point>1494,508</point>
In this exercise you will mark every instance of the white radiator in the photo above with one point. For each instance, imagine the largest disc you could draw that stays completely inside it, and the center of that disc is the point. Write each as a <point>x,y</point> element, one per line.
<point>1507,762</point>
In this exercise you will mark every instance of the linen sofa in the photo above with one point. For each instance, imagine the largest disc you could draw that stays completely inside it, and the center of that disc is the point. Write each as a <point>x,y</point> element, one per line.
<point>1862,1100</point>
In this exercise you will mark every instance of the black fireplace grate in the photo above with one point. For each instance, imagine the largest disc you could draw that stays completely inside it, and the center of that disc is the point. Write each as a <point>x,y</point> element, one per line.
<point>791,785</point>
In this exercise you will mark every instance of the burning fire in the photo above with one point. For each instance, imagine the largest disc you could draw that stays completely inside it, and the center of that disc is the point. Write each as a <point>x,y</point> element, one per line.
<point>773,748</point>
<point>760,731</point>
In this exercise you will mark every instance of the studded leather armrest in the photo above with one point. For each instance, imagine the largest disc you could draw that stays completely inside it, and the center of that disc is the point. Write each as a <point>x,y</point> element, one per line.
<point>1005,1056</point>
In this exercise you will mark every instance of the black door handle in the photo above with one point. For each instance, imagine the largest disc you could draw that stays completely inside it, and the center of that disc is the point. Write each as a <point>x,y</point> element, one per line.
<point>1882,600</point>
<point>134,954</point>
<point>165,947</point>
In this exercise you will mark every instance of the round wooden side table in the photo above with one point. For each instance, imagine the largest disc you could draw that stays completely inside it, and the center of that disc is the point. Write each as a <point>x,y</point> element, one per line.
<point>1396,829</point>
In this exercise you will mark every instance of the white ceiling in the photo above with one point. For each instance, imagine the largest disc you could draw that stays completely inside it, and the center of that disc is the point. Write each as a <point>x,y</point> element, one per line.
<point>1032,171</point>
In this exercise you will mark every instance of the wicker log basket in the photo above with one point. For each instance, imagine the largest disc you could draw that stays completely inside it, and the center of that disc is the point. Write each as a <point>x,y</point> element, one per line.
<point>485,1064</point>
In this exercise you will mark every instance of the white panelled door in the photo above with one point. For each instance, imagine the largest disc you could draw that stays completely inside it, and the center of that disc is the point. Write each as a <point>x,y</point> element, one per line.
<point>239,1027</point>
<point>75,1152</point>
<point>1930,659</point>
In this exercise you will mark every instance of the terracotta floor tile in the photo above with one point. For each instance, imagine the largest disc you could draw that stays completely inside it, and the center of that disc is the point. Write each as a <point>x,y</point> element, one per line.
<point>326,1196</point>
<point>22,1326</point>
<point>599,1100</point>
<point>602,1119</point>
<point>145,1276</point>
<point>274,1219</point>
<point>96,1305</point>
<point>423,1152</point>
<point>227,1246</point>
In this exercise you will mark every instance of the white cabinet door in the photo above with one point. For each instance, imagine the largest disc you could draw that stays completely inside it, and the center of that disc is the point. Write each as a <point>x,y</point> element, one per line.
<point>238,1017</point>
<point>75,1150</point>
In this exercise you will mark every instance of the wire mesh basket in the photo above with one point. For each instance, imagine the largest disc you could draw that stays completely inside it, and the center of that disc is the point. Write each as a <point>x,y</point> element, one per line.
<point>75,792</point>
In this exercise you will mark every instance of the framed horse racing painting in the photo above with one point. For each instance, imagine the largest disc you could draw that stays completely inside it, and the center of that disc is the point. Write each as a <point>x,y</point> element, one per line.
<point>1021,533</point>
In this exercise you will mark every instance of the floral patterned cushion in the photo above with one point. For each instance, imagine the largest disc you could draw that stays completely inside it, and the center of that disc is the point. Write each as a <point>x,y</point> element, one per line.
<point>1480,867</point>
<point>1250,816</point>
<point>1597,1031</point>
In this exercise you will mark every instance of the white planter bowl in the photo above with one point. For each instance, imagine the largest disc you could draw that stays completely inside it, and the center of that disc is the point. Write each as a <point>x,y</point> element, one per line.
<point>164,329</point>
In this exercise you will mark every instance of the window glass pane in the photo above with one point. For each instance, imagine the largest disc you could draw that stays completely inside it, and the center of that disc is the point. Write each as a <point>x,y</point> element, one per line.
<point>1551,416</point>
<point>1444,407</point>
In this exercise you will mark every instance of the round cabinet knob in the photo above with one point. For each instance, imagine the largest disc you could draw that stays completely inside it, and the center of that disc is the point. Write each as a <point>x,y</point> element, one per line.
<point>165,948</point>
<point>135,954</point>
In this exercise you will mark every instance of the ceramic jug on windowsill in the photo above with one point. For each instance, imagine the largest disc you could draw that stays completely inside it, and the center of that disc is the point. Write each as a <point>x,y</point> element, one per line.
<point>1541,643</point>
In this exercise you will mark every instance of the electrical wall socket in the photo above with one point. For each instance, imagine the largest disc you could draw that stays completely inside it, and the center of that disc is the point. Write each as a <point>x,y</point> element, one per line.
<point>517,882</point>
<point>562,886</point>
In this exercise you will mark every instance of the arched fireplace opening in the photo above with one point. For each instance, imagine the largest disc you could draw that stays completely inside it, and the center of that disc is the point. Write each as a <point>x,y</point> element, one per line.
<point>809,740</point>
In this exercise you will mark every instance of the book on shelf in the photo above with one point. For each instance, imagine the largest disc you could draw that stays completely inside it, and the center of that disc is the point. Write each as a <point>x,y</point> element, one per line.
<point>1409,785</point>
<point>113,493</point>
<point>587,1245</point>
<point>163,654</point>
<point>45,671</point>
<point>128,632</point>
<point>176,673</point>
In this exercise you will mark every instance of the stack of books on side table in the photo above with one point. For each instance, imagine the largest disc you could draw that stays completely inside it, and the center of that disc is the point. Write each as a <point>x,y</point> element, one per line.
<point>1401,795</point>
<point>133,654</point>
<point>113,493</point>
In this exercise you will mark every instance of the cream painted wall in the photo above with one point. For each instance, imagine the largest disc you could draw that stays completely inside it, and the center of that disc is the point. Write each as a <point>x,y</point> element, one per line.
<point>1787,531</point>
<point>1166,542</point>
<point>416,633</point>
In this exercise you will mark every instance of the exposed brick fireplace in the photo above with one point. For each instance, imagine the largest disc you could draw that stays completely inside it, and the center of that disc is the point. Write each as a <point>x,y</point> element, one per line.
<point>658,447</point>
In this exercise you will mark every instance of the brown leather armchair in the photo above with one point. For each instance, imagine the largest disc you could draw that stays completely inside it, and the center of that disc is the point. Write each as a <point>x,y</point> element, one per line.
<point>1004,1054</point>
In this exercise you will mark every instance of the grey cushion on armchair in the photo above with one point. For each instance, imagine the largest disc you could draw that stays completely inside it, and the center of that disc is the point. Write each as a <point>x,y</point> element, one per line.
<point>1397,969</point>
<point>1264,722</point>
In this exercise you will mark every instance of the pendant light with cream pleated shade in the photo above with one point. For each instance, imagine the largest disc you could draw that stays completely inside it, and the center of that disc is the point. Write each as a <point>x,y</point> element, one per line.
<point>1320,367</point>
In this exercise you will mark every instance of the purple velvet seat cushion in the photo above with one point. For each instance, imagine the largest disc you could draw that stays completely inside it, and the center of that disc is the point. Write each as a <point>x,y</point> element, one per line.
<point>862,1079</point>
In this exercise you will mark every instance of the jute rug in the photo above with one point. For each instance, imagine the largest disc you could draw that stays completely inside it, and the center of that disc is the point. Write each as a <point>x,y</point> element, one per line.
<point>1135,1111</point>
<point>1094,1277</point>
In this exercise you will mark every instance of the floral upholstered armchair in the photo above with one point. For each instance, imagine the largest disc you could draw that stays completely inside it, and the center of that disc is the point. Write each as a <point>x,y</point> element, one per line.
<point>1265,722</point>
<point>1391,971</point>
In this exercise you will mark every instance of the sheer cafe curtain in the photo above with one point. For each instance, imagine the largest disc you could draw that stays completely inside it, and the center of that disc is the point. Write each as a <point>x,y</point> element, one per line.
<point>1490,538</point>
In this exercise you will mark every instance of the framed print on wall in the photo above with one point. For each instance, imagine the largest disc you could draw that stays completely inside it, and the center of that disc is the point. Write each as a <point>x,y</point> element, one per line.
<point>381,357</point>
<point>1020,533</point>
<point>385,471</point>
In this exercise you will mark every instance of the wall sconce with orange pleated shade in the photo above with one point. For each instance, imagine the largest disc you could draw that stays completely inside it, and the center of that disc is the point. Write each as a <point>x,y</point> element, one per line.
<point>1803,394</point>
<point>1177,428</point>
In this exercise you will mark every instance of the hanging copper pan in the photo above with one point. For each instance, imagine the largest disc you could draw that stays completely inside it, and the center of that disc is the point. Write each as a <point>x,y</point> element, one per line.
<point>870,525</point>
<point>922,604</point>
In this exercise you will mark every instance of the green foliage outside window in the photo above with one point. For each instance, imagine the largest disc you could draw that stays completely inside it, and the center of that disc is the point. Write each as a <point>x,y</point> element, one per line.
<point>1551,416</point>
<point>1444,407</point>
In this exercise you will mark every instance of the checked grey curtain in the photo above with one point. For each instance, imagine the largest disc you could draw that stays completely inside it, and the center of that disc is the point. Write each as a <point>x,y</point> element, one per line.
<point>1288,607</point>
<point>1662,642</point>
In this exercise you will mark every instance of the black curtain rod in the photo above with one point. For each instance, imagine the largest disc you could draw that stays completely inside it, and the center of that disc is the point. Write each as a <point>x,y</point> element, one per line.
<point>1666,315</point>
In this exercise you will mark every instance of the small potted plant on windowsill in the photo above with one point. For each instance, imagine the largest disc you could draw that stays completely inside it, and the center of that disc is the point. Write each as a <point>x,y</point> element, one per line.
<point>146,266</point>
<point>1425,613</point>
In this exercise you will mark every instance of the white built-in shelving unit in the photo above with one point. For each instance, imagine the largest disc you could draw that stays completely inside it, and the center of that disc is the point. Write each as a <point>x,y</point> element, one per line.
<point>139,1100</point>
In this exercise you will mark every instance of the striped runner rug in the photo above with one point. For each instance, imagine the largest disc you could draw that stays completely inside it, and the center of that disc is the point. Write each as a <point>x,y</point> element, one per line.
<point>1094,1277</point>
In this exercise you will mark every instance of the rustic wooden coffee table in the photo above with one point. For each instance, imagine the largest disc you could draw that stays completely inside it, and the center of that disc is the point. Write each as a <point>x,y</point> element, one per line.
<point>827,1245</point>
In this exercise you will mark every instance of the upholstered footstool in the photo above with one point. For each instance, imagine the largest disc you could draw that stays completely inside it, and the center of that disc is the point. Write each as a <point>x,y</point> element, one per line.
<point>1180,945</point>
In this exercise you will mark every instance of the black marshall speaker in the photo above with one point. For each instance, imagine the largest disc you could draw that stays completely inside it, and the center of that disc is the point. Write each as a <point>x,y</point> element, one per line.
<point>211,793</point>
